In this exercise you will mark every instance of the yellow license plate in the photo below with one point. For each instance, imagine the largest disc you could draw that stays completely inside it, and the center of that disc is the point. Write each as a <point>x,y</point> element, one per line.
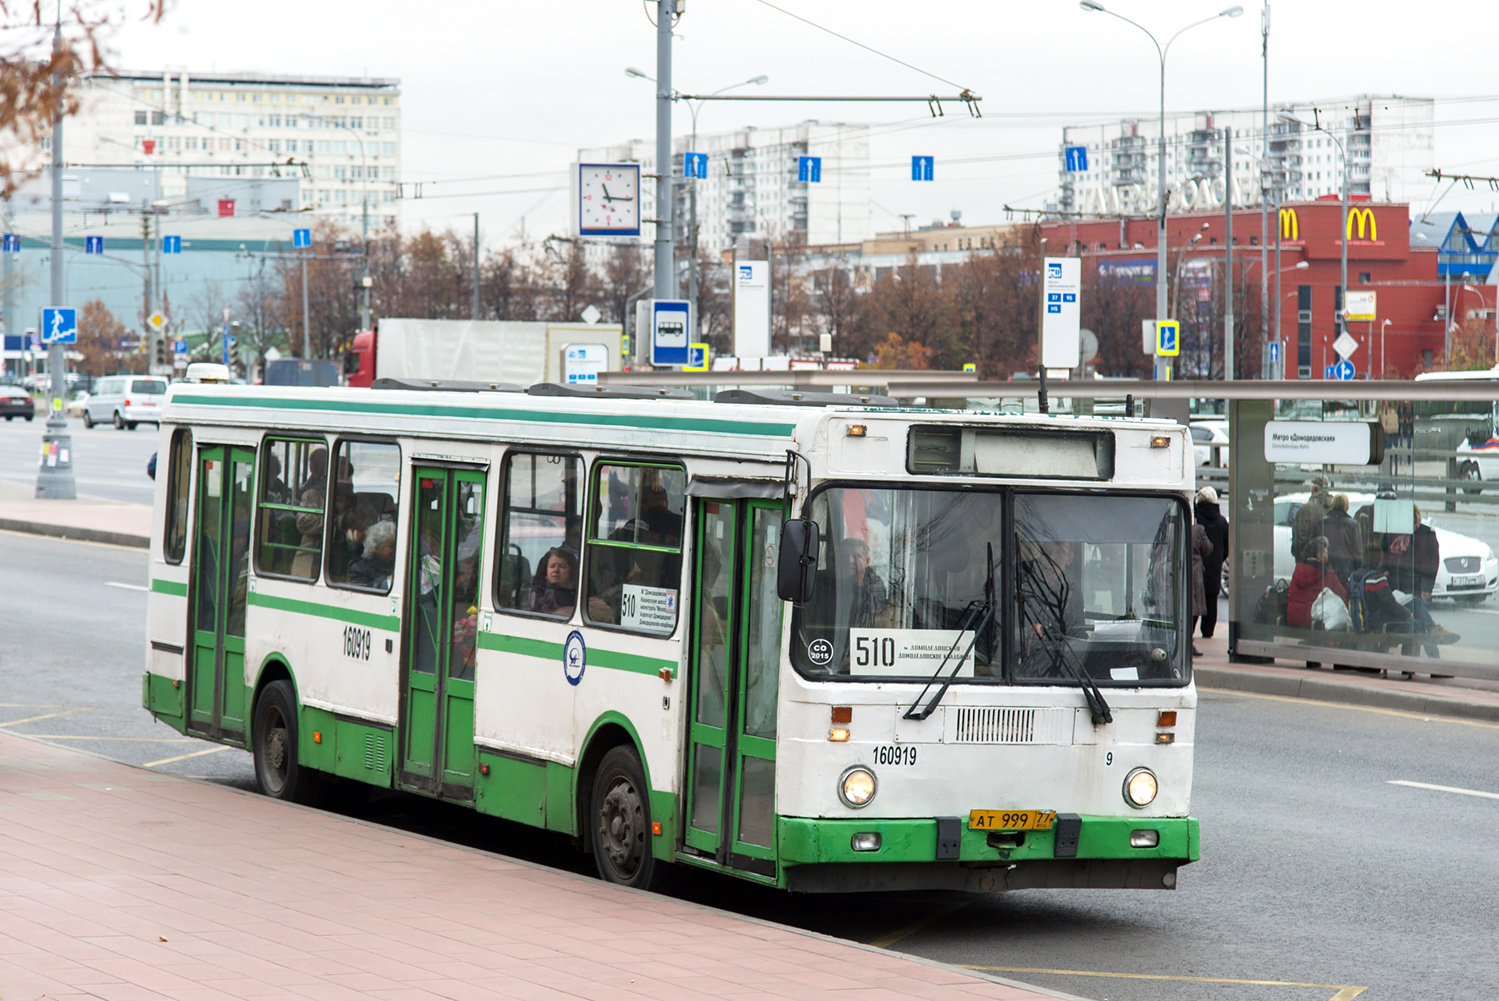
<point>1011,820</point>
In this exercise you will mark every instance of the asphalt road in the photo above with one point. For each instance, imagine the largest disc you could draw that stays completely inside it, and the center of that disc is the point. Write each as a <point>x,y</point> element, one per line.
<point>106,463</point>
<point>1318,874</point>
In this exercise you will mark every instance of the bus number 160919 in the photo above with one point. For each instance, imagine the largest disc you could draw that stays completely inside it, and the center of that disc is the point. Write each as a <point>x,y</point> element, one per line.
<point>356,643</point>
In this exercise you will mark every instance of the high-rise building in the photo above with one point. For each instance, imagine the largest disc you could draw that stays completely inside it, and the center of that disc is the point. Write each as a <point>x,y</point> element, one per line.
<point>751,190</point>
<point>207,135</point>
<point>1388,141</point>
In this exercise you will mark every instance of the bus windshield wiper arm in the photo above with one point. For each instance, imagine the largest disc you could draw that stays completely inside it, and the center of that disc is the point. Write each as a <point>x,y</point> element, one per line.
<point>984,610</point>
<point>1053,599</point>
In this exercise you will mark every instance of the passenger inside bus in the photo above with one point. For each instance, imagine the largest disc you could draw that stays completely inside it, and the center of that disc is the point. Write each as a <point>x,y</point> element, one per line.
<point>554,591</point>
<point>374,568</point>
<point>310,523</point>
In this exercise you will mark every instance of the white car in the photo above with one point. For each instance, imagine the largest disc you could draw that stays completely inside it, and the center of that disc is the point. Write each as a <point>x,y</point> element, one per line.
<point>1205,435</point>
<point>1469,570</point>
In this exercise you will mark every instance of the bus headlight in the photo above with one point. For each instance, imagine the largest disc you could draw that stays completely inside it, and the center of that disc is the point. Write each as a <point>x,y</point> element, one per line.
<point>1140,787</point>
<point>857,786</point>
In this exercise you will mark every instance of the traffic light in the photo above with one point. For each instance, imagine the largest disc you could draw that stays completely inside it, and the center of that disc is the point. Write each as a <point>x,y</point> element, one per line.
<point>161,350</point>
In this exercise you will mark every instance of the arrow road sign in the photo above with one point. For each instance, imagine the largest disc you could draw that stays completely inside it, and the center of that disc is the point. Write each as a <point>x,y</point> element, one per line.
<point>93,244</point>
<point>1343,370</point>
<point>59,325</point>
<point>1075,158</point>
<point>171,245</point>
<point>809,169</point>
<point>695,165</point>
<point>921,168</point>
<point>302,237</point>
<point>12,244</point>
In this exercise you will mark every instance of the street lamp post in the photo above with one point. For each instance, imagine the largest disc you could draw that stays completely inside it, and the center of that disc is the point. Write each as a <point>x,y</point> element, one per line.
<point>54,480</point>
<point>364,183</point>
<point>1160,233</point>
<point>1383,327</point>
<point>694,107</point>
<point>1342,311</point>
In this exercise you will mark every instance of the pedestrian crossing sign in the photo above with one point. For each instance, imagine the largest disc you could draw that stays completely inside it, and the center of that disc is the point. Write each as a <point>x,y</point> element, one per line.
<point>1168,338</point>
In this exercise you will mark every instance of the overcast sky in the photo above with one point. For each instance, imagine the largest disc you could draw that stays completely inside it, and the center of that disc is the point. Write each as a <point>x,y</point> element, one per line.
<point>499,95</point>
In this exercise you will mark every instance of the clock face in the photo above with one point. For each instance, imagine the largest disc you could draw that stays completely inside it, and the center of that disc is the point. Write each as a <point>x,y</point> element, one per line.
<point>609,199</point>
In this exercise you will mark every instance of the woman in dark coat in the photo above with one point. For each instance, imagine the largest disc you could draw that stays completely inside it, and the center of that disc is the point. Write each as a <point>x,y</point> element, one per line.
<point>1215,526</point>
<point>1201,549</point>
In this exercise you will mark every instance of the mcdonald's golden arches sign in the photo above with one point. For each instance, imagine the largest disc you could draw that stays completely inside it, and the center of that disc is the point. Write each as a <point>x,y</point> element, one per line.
<point>1362,217</point>
<point>1290,228</point>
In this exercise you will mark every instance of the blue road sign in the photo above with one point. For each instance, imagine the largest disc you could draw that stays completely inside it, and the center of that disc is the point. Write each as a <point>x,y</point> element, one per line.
<point>809,169</point>
<point>303,237</point>
<point>1343,370</point>
<point>670,322</point>
<point>921,168</point>
<point>695,164</point>
<point>93,244</point>
<point>1076,158</point>
<point>179,346</point>
<point>12,243</point>
<point>1167,337</point>
<point>59,325</point>
<point>1275,352</point>
<point>171,245</point>
<point>1327,372</point>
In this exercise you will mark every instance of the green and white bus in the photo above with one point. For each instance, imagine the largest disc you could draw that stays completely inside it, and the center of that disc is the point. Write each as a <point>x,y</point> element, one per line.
<point>568,608</point>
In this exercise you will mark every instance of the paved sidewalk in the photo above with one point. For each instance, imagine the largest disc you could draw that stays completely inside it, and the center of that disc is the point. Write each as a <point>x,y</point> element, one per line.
<point>123,884</point>
<point>1469,698</point>
<point>88,519</point>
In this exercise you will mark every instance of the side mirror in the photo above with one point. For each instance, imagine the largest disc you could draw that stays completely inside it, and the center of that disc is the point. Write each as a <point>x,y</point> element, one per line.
<point>796,572</point>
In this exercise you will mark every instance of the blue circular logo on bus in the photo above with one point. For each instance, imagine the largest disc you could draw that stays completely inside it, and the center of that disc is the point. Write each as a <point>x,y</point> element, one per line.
<point>574,657</point>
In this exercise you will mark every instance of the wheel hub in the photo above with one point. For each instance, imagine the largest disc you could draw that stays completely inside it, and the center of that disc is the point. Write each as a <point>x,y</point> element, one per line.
<point>622,824</point>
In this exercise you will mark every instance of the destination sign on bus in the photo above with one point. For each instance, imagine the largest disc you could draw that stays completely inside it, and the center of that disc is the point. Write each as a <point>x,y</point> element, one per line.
<point>904,653</point>
<point>653,609</point>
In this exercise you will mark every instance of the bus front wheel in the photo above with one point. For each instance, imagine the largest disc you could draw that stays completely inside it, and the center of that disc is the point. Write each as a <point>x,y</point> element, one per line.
<point>277,772</point>
<point>620,821</point>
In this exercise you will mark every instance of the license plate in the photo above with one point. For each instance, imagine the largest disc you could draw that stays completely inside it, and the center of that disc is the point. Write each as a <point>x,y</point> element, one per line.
<point>1472,581</point>
<point>1011,820</point>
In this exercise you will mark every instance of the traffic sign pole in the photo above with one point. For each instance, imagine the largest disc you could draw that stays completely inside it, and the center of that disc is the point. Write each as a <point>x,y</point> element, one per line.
<point>54,479</point>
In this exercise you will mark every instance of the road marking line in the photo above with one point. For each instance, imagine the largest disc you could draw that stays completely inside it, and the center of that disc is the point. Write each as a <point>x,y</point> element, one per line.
<point>1345,991</point>
<point>128,587</point>
<point>184,757</point>
<point>33,719</point>
<point>142,740</point>
<point>1428,785</point>
<point>1423,717</point>
<point>26,705</point>
<point>885,941</point>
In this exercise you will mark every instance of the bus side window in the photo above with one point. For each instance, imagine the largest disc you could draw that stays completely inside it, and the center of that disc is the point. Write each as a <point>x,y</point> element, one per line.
<point>635,546</point>
<point>537,568</point>
<point>293,485</point>
<point>179,476</point>
<point>365,510</point>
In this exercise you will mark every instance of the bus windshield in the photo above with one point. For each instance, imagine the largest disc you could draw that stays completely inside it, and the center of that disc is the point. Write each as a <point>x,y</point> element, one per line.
<point>910,581</point>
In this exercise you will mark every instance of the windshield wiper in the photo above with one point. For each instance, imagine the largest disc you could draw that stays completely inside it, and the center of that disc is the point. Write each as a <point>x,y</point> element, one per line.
<point>984,610</point>
<point>1053,598</point>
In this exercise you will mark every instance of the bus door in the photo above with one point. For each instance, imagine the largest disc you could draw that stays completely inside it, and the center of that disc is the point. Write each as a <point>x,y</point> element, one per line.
<point>736,640</point>
<point>216,678</point>
<point>442,598</point>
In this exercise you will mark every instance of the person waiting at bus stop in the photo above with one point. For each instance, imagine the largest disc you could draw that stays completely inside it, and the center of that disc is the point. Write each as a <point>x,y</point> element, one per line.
<point>1313,575</point>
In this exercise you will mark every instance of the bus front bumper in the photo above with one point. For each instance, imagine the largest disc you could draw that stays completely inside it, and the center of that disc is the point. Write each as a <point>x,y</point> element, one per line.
<point>819,855</point>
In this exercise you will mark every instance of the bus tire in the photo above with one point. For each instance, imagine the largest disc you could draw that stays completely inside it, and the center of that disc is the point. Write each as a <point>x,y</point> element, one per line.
<point>619,820</point>
<point>277,772</point>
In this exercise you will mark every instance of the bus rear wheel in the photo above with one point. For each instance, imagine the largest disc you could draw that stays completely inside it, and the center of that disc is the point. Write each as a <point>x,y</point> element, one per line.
<point>620,821</point>
<point>277,772</point>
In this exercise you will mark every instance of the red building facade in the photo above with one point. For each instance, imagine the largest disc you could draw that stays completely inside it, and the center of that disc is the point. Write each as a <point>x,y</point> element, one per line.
<point>1406,335</point>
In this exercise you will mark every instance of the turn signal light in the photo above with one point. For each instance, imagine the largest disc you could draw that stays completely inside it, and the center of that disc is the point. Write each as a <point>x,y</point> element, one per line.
<point>843,714</point>
<point>656,828</point>
<point>1166,718</point>
<point>317,736</point>
<point>1165,738</point>
<point>857,430</point>
<point>838,733</point>
<point>1160,441</point>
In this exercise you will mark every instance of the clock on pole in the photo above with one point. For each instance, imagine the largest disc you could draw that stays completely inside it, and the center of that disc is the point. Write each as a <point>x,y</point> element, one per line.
<point>606,199</point>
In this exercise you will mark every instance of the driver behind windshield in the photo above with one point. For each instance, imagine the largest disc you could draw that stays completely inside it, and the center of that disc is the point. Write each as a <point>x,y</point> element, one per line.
<point>1050,588</point>
<point>868,593</point>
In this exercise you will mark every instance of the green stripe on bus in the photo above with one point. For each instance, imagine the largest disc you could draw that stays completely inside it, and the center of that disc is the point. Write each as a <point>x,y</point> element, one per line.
<point>497,413</point>
<point>609,659</point>
<point>370,619</point>
<point>168,587</point>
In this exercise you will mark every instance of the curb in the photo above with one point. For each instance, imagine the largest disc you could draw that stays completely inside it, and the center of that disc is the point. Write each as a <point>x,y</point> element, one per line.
<point>1329,690</point>
<point>75,534</point>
